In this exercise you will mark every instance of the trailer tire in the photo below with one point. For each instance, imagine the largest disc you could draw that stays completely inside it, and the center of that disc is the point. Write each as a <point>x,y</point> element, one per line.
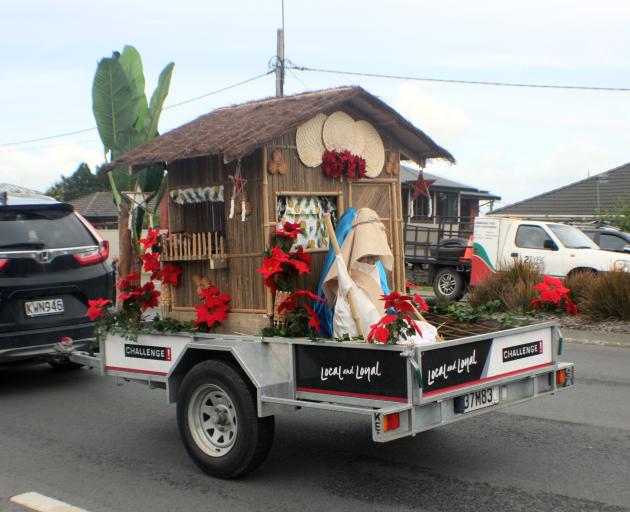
<point>448,284</point>
<point>218,422</point>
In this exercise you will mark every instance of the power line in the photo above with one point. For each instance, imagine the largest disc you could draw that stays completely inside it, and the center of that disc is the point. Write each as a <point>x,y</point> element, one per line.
<point>43,146</point>
<point>463,82</point>
<point>196,98</point>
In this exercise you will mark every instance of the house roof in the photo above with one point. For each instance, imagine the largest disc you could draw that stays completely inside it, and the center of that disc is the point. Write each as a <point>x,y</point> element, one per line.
<point>16,190</point>
<point>236,131</point>
<point>98,205</point>
<point>577,199</point>
<point>408,175</point>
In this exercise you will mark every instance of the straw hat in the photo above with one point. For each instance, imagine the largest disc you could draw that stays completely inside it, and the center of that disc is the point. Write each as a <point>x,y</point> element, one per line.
<point>372,150</point>
<point>339,133</point>
<point>308,140</point>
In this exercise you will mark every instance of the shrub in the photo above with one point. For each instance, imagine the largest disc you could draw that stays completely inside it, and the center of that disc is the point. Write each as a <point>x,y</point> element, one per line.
<point>606,297</point>
<point>579,284</point>
<point>513,287</point>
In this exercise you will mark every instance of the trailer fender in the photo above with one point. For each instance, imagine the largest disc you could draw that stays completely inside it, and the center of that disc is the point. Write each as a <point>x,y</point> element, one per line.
<point>265,366</point>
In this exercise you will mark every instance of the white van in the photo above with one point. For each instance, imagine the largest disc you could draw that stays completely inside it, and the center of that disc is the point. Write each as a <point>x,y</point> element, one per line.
<point>557,249</point>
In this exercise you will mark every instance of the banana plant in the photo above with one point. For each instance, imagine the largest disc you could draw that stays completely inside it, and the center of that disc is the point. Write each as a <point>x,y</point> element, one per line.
<point>125,119</point>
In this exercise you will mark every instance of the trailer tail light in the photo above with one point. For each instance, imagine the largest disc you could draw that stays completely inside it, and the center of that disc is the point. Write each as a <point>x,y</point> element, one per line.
<point>101,253</point>
<point>564,377</point>
<point>3,263</point>
<point>391,421</point>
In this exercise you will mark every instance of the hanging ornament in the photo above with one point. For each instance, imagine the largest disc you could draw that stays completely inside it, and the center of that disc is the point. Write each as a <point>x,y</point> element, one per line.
<point>239,194</point>
<point>421,188</point>
<point>138,200</point>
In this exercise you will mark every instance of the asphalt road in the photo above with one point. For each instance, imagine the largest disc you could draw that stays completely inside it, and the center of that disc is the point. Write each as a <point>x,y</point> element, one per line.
<point>79,438</point>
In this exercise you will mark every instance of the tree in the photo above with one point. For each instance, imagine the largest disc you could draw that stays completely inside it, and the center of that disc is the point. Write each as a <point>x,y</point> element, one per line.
<point>619,216</point>
<point>126,119</point>
<point>79,183</point>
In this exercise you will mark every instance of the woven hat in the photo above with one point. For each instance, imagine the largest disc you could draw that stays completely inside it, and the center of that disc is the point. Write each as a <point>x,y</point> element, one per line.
<point>339,133</point>
<point>372,150</point>
<point>308,140</point>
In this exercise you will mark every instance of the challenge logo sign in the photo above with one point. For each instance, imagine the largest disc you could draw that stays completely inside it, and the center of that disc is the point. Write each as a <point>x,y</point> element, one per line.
<point>148,352</point>
<point>534,348</point>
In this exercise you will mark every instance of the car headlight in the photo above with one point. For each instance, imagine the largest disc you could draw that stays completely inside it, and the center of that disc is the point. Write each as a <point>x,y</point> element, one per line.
<point>621,266</point>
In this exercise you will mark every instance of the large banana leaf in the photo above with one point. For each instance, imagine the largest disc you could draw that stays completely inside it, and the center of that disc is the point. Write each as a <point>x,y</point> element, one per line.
<point>131,63</point>
<point>113,103</point>
<point>157,99</point>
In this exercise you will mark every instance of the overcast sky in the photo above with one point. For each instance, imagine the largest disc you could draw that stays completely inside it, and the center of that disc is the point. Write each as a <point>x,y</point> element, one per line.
<point>514,142</point>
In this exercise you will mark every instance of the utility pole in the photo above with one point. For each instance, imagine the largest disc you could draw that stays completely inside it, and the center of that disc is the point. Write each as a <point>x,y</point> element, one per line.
<point>280,58</point>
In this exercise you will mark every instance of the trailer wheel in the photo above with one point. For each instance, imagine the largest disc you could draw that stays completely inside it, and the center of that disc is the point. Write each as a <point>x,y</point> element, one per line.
<point>448,284</point>
<point>218,423</point>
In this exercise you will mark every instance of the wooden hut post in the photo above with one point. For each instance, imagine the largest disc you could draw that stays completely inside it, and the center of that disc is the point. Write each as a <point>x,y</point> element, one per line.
<point>266,220</point>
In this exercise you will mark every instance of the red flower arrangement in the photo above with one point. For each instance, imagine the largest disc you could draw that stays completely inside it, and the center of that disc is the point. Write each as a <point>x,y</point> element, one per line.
<point>289,230</point>
<point>170,274</point>
<point>151,263</point>
<point>290,303</point>
<point>96,308</point>
<point>397,323</point>
<point>279,266</point>
<point>343,163</point>
<point>553,293</point>
<point>151,239</point>
<point>139,297</point>
<point>214,308</point>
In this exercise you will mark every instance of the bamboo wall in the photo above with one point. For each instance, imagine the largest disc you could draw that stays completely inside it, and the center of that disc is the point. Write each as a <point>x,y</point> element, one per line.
<point>246,241</point>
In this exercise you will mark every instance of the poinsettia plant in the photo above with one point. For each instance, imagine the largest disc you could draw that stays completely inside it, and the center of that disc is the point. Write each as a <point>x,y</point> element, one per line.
<point>301,317</point>
<point>553,295</point>
<point>397,322</point>
<point>280,267</point>
<point>213,309</point>
<point>287,235</point>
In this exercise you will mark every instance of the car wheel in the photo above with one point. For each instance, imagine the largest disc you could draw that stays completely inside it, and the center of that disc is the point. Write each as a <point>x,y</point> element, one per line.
<point>448,284</point>
<point>218,421</point>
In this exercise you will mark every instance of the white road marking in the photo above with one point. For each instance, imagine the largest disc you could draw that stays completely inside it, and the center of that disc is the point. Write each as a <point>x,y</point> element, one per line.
<point>41,503</point>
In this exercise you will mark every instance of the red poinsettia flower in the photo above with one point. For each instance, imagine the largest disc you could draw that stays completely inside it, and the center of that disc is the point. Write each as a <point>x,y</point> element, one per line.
<point>290,302</point>
<point>420,303</point>
<point>379,330</point>
<point>313,321</point>
<point>300,266</point>
<point>151,263</point>
<point>170,274</point>
<point>148,296</point>
<point>398,302</point>
<point>151,239</point>
<point>214,308</point>
<point>128,282</point>
<point>332,164</point>
<point>289,230</point>
<point>95,309</point>
<point>570,307</point>
<point>302,255</point>
<point>552,290</point>
<point>273,264</point>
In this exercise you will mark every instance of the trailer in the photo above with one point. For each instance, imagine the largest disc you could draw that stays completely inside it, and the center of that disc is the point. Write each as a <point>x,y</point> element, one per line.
<point>228,388</point>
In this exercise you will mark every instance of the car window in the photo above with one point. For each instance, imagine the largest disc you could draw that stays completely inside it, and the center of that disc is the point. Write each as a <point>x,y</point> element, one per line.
<point>612,242</point>
<point>42,229</point>
<point>531,237</point>
<point>571,237</point>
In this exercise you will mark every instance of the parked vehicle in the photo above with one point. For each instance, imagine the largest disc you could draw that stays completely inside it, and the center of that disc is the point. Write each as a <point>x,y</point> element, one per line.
<point>557,249</point>
<point>51,262</point>
<point>609,239</point>
<point>228,388</point>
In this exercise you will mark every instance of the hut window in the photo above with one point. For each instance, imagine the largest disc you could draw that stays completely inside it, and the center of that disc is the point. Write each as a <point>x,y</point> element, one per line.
<point>309,212</point>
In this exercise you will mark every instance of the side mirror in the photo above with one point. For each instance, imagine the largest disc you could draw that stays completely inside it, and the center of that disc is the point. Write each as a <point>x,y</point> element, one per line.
<point>550,245</point>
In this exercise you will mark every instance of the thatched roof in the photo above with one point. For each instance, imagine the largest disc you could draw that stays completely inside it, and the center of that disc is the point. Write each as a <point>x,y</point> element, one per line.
<point>236,131</point>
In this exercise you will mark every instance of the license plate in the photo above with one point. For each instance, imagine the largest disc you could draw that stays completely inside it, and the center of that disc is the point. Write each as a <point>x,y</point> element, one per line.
<point>43,307</point>
<point>477,400</point>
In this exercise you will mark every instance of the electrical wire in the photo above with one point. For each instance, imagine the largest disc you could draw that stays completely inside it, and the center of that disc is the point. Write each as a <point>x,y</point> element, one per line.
<point>174,105</point>
<point>69,143</point>
<point>461,82</point>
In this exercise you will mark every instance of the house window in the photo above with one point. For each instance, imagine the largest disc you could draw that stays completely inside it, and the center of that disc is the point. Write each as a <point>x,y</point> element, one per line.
<point>446,204</point>
<point>421,206</point>
<point>308,211</point>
